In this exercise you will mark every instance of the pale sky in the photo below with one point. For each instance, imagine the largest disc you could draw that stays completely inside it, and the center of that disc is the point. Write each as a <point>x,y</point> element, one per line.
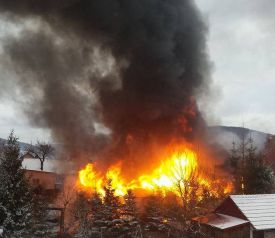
<point>241,46</point>
<point>242,50</point>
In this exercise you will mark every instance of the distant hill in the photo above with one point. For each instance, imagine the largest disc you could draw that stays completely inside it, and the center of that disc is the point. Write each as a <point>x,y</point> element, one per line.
<point>23,145</point>
<point>225,135</point>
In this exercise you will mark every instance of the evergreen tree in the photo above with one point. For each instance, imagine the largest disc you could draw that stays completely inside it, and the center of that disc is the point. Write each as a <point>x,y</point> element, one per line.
<point>100,219</point>
<point>130,216</point>
<point>153,216</point>
<point>82,214</point>
<point>252,176</point>
<point>41,226</point>
<point>130,207</point>
<point>113,213</point>
<point>234,158</point>
<point>106,217</point>
<point>16,202</point>
<point>172,208</point>
<point>258,178</point>
<point>111,202</point>
<point>97,207</point>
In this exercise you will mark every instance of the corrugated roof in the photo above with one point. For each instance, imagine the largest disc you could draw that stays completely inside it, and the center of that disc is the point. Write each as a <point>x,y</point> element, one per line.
<point>259,209</point>
<point>221,221</point>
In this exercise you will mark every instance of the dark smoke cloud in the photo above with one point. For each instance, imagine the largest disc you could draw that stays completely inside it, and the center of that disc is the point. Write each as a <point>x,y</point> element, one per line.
<point>52,77</point>
<point>158,63</point>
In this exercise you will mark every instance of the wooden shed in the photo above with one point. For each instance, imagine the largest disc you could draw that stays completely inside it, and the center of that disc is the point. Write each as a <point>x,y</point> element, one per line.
<point>223,226</point>
<point>241,216</point>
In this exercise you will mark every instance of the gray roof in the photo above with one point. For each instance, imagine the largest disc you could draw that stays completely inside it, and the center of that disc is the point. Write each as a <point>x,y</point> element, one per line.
<point>259,209</point>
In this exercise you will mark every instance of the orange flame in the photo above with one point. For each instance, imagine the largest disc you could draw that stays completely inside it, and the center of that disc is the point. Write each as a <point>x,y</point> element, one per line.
<point>174,171</point>
<point>90,179</point>
<point>178,168</point>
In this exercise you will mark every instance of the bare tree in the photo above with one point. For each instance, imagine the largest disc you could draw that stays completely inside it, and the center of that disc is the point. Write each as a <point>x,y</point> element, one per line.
<point>41,151</point>
<point>194,193</point>
<point>187,188</point>
<point>186,181</point>
<point>65,200</point>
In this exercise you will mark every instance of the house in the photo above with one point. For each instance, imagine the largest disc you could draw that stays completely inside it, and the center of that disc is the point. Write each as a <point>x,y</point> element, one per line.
<point>53,175</point>
<point>241,216</point>
<point>50,178</point>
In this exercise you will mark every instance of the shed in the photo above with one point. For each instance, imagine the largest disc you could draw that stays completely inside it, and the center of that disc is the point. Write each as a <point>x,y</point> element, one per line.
<point>217,225</point>
<point>244,216</point>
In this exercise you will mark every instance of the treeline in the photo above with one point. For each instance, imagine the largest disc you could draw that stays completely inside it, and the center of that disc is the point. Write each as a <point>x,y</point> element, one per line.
<point>130,217</point>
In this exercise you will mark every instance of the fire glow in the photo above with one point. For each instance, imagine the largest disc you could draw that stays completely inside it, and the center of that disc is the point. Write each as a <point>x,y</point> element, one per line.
<point>173,173</point>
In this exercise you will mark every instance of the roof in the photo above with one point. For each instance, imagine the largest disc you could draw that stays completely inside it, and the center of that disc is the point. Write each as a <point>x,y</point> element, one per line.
<point>50,165</point>
<point>221,221</point>
<point>258,209</point>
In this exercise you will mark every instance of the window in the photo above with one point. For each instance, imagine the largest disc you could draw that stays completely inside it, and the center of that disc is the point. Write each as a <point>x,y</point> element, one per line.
<point>59,179</point>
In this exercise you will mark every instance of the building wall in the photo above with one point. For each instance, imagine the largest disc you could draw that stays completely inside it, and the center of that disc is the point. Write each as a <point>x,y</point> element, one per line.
<point>46,180</point>
<point>258,234</point>
<point>269,234</point>
<point>228,207</point>
<point>238,232</point>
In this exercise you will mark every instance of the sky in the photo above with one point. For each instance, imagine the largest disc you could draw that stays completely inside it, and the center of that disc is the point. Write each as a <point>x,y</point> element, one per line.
<point>242,51</point>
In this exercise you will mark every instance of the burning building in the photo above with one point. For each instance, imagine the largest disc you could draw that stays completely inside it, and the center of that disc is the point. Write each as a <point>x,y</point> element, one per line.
<point>175,171</point>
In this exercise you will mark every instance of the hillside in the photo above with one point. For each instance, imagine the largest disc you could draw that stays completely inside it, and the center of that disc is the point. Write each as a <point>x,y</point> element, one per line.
<point>225,135</point>
<point>22,145</point>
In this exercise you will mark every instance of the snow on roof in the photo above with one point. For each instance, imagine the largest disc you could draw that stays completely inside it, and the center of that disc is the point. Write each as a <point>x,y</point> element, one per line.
<point>221,221</point>
<point>50,165</point>
<point>259,209</point>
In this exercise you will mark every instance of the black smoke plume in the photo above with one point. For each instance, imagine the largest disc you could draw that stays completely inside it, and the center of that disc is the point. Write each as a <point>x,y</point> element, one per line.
<point>135,66</point>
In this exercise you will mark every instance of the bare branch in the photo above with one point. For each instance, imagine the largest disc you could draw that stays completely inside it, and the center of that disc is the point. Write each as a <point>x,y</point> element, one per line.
<point>41,151</point>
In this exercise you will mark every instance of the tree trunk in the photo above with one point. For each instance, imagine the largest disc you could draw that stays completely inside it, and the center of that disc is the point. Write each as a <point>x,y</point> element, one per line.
<point>41,165</point>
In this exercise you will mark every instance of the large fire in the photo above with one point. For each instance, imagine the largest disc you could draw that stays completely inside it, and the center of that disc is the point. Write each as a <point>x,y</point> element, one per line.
<point>172,174</point>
